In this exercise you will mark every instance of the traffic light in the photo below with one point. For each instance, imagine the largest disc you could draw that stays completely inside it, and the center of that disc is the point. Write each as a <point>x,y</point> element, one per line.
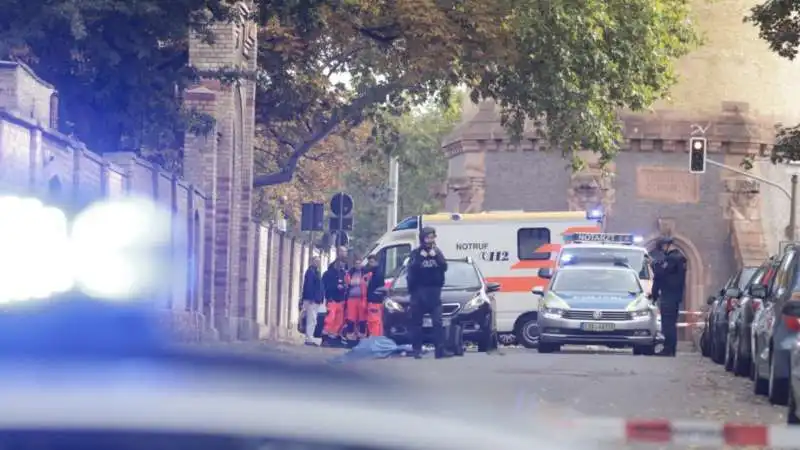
<point>312,217</point>
<point>341,218</point>
<point>697,154</point>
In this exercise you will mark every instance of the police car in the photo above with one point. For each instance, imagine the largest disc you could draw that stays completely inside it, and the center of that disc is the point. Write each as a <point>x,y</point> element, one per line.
<point>594,301</point>
<point>609,245</point>
<point>81,370</point>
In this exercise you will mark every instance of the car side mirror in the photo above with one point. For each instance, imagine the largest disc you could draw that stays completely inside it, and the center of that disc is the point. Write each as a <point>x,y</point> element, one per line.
<point>710,300</point>
<point>545,273</point>
<point>382,291</point>
<point>537,290</point>
<point>758,291</point>
<point>733,293</point>
<point>492,287</point>
<point>721,292</point>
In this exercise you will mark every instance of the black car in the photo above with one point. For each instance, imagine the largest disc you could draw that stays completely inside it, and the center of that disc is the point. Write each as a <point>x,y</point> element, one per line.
<point>467,305</point>
<point>738,355</point>
<point>720,310</point>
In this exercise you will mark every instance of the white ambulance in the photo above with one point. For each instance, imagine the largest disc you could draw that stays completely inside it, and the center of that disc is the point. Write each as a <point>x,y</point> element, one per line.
<point>509,247</point>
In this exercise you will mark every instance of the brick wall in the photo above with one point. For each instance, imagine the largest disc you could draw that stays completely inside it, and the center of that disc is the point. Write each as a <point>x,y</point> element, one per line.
<point>37,160</point>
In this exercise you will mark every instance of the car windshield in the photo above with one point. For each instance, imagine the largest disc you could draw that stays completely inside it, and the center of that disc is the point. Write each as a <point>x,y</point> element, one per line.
<point>747,275</point>
<point>634,256</point>
<point>459,275</point>
<point>596,280</point>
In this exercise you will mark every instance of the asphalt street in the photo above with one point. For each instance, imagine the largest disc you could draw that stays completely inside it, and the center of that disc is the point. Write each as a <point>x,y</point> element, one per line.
<point>579,383</point>
<point>595,383</point>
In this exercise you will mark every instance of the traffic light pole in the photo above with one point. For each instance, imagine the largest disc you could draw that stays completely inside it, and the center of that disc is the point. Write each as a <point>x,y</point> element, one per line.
<point>792,196</point>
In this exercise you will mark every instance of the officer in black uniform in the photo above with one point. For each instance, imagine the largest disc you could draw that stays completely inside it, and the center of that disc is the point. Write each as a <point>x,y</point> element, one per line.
<point>669,281</point>
<point>426,269</point>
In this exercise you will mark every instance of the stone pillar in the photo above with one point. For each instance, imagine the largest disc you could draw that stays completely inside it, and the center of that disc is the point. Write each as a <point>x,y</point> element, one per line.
<point>200,169</point>
<point>234,113</point>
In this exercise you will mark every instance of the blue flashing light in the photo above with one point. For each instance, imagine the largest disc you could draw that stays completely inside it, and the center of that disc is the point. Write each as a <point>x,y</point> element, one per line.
<point>638,239</point>
<point>566,258</point>
<point>594,214</point>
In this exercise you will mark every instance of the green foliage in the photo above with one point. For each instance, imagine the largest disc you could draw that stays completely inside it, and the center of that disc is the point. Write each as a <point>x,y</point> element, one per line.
<point>422,164</point>
<point>571,65</point>
<point>778,23</point>
<point>119,66</point>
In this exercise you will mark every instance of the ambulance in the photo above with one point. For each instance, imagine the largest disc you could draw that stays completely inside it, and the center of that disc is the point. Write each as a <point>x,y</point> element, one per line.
<point>599,245</point>
<point>509,248</point>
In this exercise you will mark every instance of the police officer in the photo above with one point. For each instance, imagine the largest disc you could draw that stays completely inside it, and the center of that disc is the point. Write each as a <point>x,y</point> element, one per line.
<point>426,269</point>
<point>669,281</point>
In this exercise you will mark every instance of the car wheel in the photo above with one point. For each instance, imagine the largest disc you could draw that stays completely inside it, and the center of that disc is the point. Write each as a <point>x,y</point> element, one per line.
<point>728,355</point>
<point>457,339</point>
<point>528,331</point>
<point>488,340</point>
<point>741,365</point>
<point>705,349</point>
<point>646,350</point>
<point>717,351</point>
<point>778,387</point>
<point>548,348</point>
<point>791,413</point>
<point>760,385</point>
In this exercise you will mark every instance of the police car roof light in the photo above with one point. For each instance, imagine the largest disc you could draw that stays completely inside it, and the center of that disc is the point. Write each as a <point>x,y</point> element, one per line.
<point>596,259</point>
<point>594,214</point>
<point>638,239</point>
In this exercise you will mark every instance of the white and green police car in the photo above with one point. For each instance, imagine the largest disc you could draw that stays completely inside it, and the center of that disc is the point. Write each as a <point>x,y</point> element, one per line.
<point>590,302</point>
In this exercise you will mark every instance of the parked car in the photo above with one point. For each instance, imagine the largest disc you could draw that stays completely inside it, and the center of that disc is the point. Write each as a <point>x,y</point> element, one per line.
<point>705,333</point>
<point>721,308</point>
<point>776,328</point>
<point>740,320</point>
<point>467,305</point>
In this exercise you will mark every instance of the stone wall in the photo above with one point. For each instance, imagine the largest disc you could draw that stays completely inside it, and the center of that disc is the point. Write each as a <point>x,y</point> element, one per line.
<point>37,160</point>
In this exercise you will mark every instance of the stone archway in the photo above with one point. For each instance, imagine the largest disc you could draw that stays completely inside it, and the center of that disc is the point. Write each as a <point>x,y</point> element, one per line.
<point>695,270</point>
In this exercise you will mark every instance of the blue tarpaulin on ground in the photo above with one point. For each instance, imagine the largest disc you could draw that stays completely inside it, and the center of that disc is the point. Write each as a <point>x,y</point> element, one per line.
<point>378,347</point>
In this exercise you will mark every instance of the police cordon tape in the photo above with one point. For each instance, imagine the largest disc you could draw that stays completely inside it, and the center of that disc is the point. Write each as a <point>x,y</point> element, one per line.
<point>693,323</point>
<point>683,432</point>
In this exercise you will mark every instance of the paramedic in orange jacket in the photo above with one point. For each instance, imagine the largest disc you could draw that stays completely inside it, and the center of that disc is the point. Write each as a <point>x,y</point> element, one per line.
<point>356,282</point>
<point>334,282</point>
<point>374,313</point>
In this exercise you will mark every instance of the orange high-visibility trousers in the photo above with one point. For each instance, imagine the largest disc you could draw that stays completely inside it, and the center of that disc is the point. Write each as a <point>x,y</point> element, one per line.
<point>354,317</point>
<point>334,321</point>
<point>375,319</point>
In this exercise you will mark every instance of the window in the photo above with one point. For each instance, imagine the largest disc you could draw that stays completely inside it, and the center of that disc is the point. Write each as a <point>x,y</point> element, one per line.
<point>392,258</point>
<point>746,276</point>
<point>596,280</point>
<point>459,275</point>
<point>531,239</point>
<point>409,223</point>
<point>782,276</point>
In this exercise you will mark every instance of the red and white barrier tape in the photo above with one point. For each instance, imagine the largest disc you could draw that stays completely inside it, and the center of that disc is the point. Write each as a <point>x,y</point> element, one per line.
<point>688,324</point>
<point>685,432</point>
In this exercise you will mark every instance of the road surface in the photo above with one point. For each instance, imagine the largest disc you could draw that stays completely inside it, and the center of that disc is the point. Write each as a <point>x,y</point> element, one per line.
<point>581,383</point>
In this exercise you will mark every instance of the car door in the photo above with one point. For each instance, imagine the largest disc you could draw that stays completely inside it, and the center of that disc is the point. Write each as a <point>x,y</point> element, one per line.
<point>779,332</point>
<point>778,293</point>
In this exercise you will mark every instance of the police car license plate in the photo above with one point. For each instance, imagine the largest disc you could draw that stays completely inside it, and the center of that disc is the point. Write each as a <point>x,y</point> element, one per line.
<point>427,323</point>
<point>594,326</point>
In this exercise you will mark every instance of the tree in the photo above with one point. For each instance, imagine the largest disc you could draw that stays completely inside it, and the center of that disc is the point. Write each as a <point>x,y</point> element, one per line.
<point>118,66</point>
<point>318,175</point>
<point>778,23</point>
<point>422,164</point>
<point>571,64</point>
